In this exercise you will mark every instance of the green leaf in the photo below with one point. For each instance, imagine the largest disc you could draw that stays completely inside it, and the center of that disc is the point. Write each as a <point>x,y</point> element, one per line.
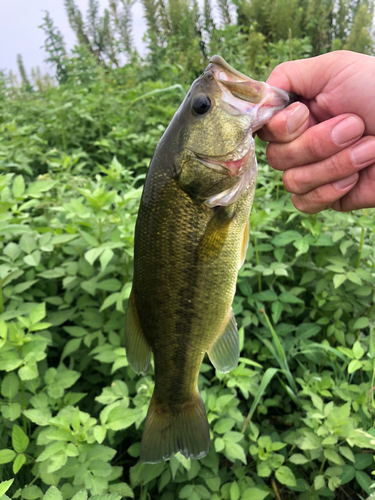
<point>18,462</point>
<point>362,322</point>
<point>289,298</point>
<point>27,243</point>
<point>285,238</point>
<point>38,187</point>
<point>347,475</point>
<point>354,365</point>
<point>5,485</point>
<point>81,495</point>
<point>109,301</point>
<point>347,453</point>
<point>224,425</point>
<point>333,456</point>
<point>19,439</point>
<point>319,482</point>
<point>39,416</point>
<point>364,481</point>
<point>90,239</point>
<point>12,250</point>
<point>266,379</point>
<point>38,313</point>
<point>186,491</point>
<point>363,460</point>
<point>92,254</point>
<point>234,451</point>
<point>32,259</point>
<point>10,386</point>
<point>18,187</point>
<point>99,433</point>
<point>53,494</point>
<point>358,351</point>
<point>31,492</point>
<point>277,309</point>
<point>338,280</point>
<point>285,476</point>
<point>354,278</point>
<point>298,459</point>
<point>254,494</point>
<point>11,412</point>
<point>6,456</point>
<point>70,347</point>
<point>234,491</point>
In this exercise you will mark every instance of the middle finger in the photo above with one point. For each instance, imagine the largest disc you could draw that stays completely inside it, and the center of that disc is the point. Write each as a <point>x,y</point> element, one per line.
<point>316,143</point>
<point>301,180</point>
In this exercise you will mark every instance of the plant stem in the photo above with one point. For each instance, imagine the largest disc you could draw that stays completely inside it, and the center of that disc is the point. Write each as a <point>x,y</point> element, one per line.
<point>360,247</point>
<point>273,482</point>
<point>322,466</point>
<point>1,299</point>
<point>257,262</point>
<point>23,404</point>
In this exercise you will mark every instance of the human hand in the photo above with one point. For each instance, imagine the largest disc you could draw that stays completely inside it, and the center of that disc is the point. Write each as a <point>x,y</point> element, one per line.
<point>326,146</point>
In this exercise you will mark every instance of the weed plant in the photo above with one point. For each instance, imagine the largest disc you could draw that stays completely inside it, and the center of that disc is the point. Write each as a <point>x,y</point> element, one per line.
<point>294,420</point>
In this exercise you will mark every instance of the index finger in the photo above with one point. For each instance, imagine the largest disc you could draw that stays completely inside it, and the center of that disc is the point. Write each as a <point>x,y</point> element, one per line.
<point>288,124</point>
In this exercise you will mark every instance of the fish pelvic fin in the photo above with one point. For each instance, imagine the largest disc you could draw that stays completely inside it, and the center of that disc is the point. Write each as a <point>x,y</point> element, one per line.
<point>225,351</point>
<point>138,352</point>
<point>168,431</point>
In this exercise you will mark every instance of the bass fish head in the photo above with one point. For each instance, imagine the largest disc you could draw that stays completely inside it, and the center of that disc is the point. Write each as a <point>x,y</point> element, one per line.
<point>216,160</point>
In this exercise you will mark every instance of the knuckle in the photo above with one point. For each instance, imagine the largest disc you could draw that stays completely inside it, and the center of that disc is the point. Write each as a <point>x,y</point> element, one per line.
<point>272,155</point>
<point>315,146</point>
<point>289,182</point>
<point>335,166</point>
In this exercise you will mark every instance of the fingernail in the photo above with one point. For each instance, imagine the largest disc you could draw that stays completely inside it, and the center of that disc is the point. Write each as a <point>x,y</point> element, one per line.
<point>347,130</point>
<point>363,152</point>
<point>344,183</point>
<point>296,117</point>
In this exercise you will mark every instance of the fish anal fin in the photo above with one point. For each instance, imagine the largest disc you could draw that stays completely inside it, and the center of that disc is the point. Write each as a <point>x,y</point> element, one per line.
<point>138,352</point>
<point>168,431</point>
<point>225,351</point>
<point>215,235</point>
<point>245,243</point>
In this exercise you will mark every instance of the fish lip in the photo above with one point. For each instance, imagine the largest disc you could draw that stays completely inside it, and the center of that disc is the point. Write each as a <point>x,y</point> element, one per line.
<point>221,62</point>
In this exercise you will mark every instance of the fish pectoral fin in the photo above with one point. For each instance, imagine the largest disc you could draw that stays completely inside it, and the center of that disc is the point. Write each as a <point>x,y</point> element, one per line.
<point>215,235</point>
<point>138,351</point>
<point>225,351</point>
<point>245,243</point>
<point>170,430</point>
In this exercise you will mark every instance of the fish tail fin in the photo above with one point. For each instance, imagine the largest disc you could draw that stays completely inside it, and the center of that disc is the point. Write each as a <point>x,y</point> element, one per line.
<point>168,432</point>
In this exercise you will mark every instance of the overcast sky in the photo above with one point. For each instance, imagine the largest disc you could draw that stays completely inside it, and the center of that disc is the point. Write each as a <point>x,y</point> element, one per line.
<point>19,32</point>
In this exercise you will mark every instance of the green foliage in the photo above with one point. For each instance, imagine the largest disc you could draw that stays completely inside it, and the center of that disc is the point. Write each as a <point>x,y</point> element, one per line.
<point>295,419</point>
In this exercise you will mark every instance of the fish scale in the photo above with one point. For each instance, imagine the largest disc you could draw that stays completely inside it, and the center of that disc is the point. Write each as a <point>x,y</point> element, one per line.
<point>190,240</point>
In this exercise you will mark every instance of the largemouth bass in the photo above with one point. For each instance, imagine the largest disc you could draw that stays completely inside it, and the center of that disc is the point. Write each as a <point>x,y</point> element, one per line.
<point>190,241</point>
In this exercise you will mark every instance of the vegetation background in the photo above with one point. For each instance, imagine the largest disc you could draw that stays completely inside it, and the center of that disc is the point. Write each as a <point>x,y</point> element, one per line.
<point>295,420</point>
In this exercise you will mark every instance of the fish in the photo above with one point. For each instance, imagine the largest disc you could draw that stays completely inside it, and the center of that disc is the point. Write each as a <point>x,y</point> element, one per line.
<point>191,238</point>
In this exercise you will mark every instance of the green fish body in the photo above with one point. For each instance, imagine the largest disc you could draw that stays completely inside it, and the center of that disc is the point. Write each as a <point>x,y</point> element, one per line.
<point>190,241</point>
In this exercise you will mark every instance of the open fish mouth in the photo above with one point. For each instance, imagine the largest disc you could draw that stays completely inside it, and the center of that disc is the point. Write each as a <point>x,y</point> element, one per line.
<point>241,94</point>
<point>258,101</point>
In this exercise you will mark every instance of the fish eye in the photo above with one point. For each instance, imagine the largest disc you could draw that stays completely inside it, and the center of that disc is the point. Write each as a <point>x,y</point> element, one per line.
<point>201,104</point>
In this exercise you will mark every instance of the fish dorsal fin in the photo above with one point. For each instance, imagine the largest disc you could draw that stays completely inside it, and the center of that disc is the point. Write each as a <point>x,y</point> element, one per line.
<point>225,351</point>
<point>138,352</point>
<point>214,237</point>
<point>245,243</point>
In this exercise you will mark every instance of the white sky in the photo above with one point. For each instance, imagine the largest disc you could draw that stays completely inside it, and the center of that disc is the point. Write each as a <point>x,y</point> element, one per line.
<point>19,32</point>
